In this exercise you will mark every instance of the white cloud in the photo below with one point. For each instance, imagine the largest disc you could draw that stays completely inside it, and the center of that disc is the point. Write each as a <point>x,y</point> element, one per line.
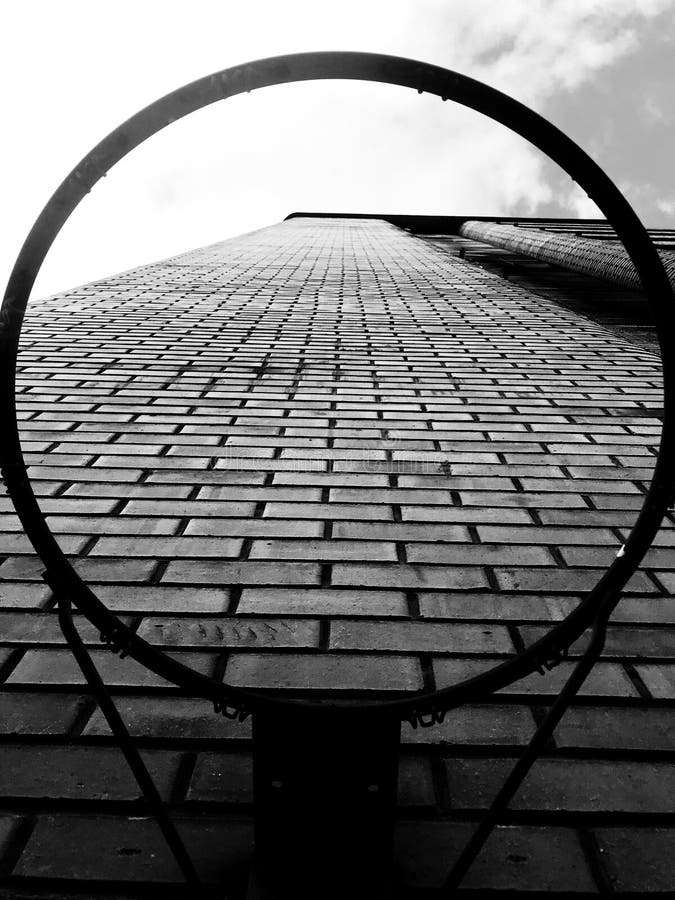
<point>581,205</point>
<point>77,69</point>
<point>667,206</point>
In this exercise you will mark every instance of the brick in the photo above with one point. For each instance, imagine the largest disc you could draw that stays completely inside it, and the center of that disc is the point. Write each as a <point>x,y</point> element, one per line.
<point>59,667</point>
<point>411,637</point>
<point>402,576</point>
<point>8,827</point>
<point>664,538</point>
<point>580,485</point>
<point>455,481</point>
<point>257,494</point>
<point>272,465</point>
<point>43,628</point>
<point>26,596</point>
<point>329,479</point>
<point>76,506</point>
<point>605,680</point>
<point>184,481</point>
<point>222,778</point>
<point>152,462</point>
<point>56,460</point>
<point>586,518</point>
<point>622,642</point>
<point>617,501</point>
<point>617,729</point>
<point>120,491</point>
<point>587,786</point>
<point>253,572</point>
<point>660,680</point>
<point>613,472</point>
<point>11,544</point>
<point>478,555</point>
<point>488,607</point>
<point>125,475</point>
<point>237,633</point>
<point>400,531</point>
<point>37,714</point>
<point>111,525</point>
<point>538,534</point>
<point>576,580</point>
<point>42,487</point>
<point>31,569</point>
<point>358,495</point>
<point>323,550</point>
<point>78,773</point>
<point>463,514</point>
<point>187,508</point>
<point>476,725</point>
<point>171,718</point>
<point>316,602</point>
<point>327,511</point>
<point>667,579</point>
<point>323,671</point>
<point>10,523</point>
<point>638,860</point>
<point>515,858</point>
<point>163,599</point>
<point>523,500</point>
<point>159,547</point>
<point>603,556</point>
<point>335,453</point>
<point>254,528</point>
<point>54,850</point>
<point>125,448</point>
<point>636,609</point>
<point>226,454</point>
<point>415,782</point>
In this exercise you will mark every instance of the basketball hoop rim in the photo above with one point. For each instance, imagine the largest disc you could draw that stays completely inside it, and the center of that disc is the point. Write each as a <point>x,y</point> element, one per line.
<point>425,78</point>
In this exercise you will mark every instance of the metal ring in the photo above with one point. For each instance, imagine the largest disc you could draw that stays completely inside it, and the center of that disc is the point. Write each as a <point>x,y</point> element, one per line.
<point>409,73</point>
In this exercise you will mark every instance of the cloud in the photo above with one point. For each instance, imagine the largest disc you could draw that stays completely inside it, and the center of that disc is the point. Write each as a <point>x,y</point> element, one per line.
<point>667,206</point>
<point>341,146</point>
<point>532,48</point>
<point>624,117</point>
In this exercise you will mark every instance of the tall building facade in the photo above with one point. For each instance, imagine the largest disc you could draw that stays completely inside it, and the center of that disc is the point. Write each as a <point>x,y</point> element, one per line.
<point>360,455</point>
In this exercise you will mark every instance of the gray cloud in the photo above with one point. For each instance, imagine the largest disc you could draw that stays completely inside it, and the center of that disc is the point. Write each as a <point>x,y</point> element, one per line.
<point>625,118</point>
<point>599,68</point>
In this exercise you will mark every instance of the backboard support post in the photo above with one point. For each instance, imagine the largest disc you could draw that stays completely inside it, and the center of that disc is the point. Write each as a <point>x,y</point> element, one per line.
<point>325,797</point>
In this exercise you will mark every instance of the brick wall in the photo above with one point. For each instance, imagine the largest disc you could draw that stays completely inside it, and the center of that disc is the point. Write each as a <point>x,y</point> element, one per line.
<point>327,456</point>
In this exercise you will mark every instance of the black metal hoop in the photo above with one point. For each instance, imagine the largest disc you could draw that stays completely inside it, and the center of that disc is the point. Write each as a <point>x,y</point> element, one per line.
<point>448,85</point>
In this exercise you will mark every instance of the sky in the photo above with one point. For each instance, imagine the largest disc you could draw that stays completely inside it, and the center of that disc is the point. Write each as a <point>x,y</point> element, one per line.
<point>602,70</point>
